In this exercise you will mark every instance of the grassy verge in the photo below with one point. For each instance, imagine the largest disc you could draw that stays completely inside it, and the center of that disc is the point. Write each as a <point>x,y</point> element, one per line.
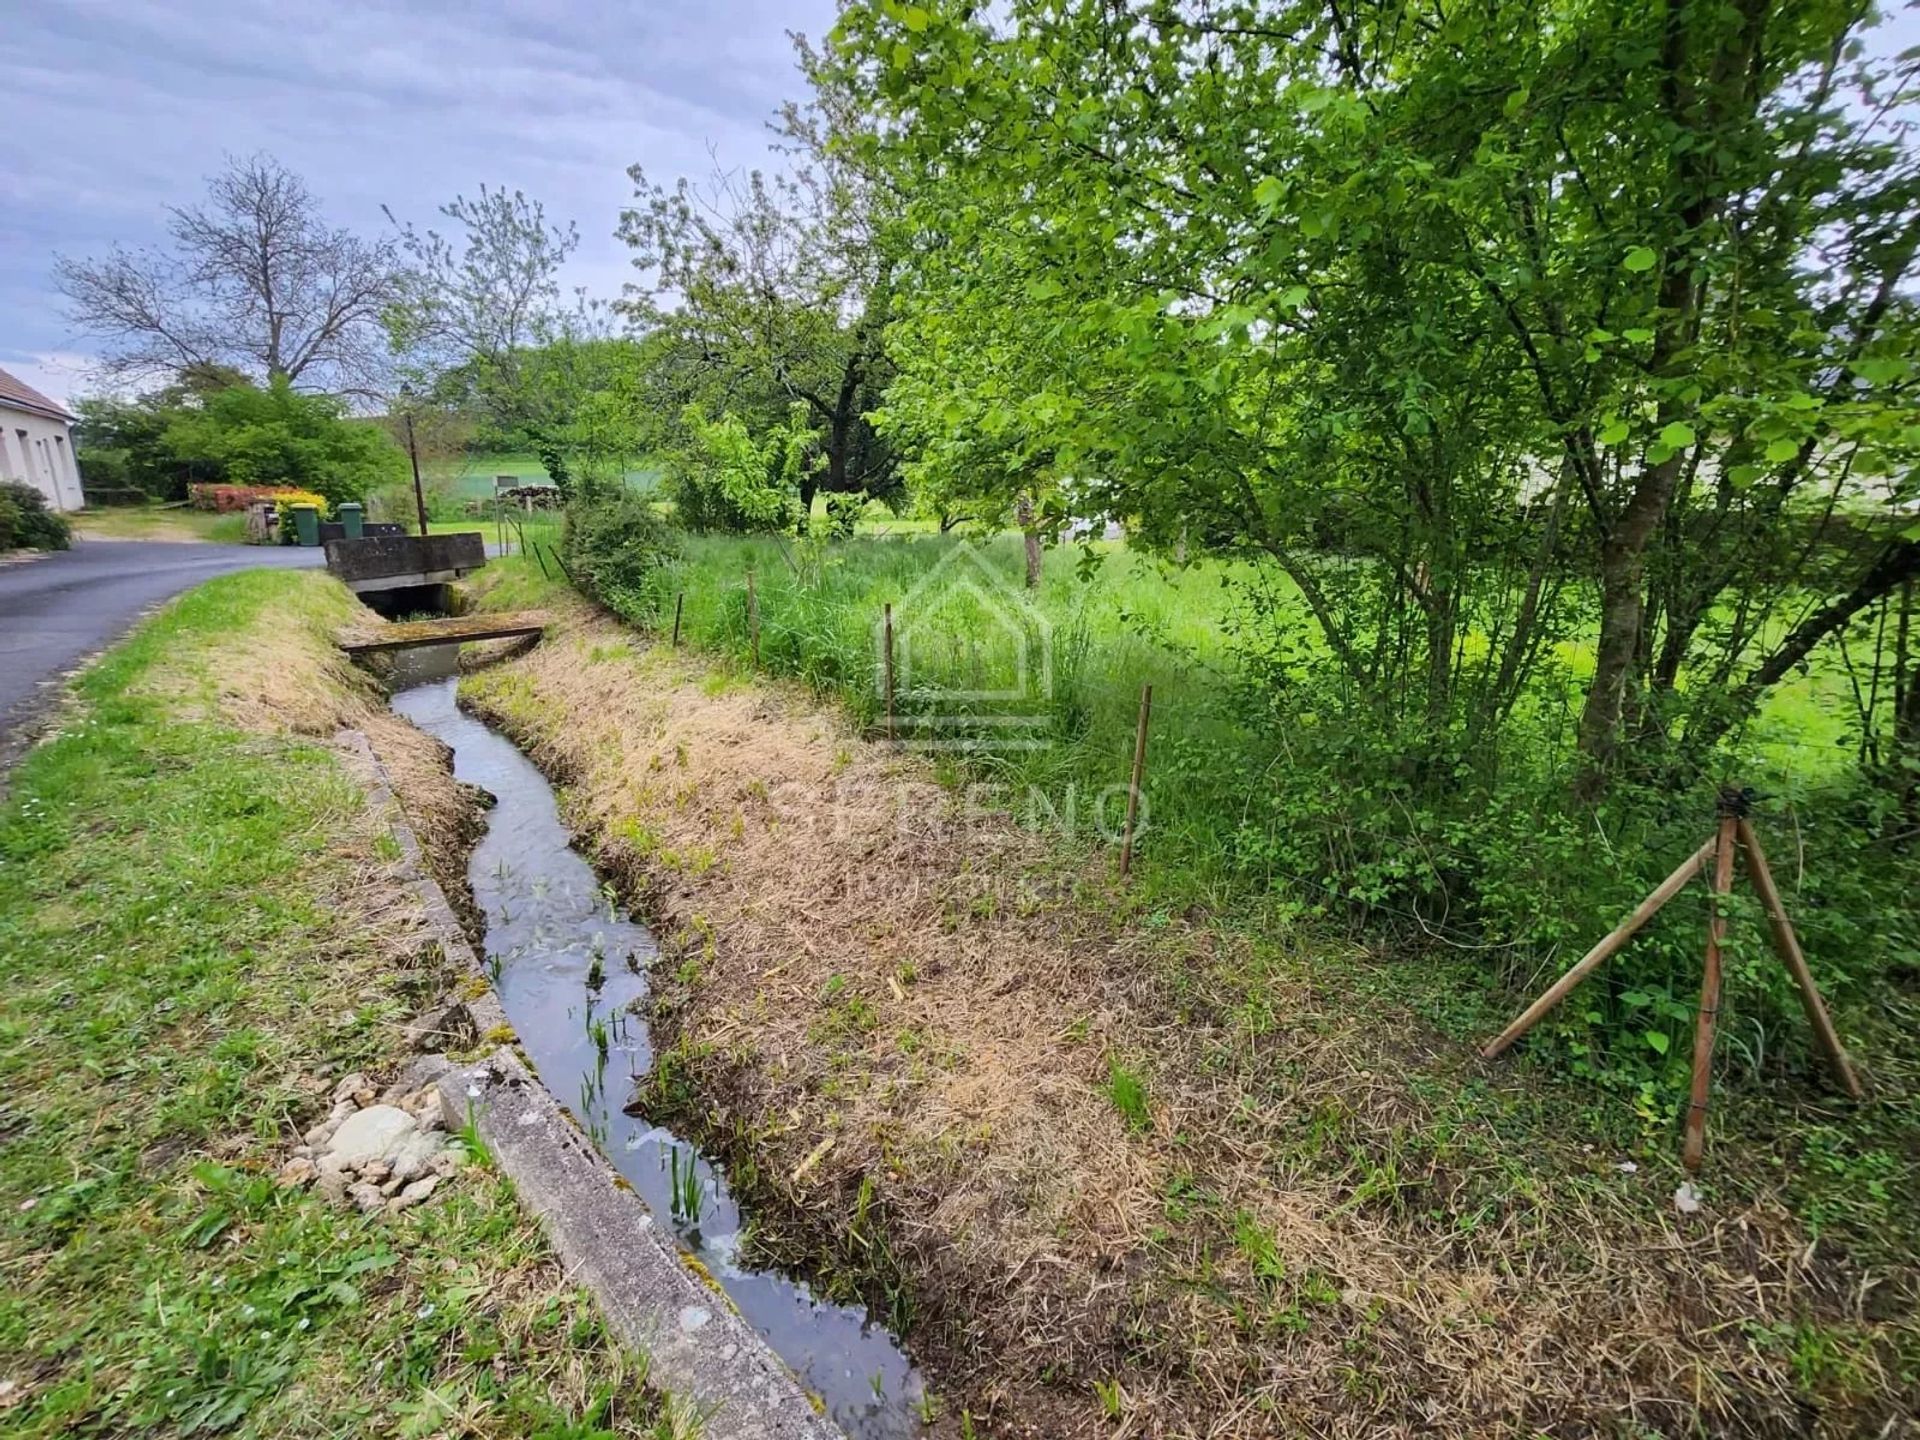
<point>130,522</point>
<point>1198,1170</point>
<point>200,934</point>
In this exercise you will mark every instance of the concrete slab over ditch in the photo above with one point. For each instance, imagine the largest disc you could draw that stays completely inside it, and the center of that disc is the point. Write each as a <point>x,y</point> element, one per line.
<point>700,1348</point>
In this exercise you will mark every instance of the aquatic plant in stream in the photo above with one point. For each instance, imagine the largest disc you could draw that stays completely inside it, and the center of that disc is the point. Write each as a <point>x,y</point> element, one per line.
<point>684,1184</point>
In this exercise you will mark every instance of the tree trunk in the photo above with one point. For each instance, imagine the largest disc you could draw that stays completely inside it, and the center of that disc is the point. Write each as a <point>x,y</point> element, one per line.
<point>1623,575</point>
<point>1023,513</point>
<point>809,487</point>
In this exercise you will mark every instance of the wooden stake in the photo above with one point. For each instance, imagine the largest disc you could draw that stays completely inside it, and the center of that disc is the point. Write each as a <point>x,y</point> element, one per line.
<point>753,617</point>
<point>887,626</point>
<point>1695,1144</point>
<point>1788,944</point>
<point>1133,789</point>
<point>1601,953</point>
<point>679,601</point>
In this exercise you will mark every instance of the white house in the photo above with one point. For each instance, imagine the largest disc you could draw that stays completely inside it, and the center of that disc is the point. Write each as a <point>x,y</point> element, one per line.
<point>36,444</point>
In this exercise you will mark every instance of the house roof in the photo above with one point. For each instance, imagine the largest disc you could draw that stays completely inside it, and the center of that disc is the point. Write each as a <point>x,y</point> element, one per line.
<point>17,396</point>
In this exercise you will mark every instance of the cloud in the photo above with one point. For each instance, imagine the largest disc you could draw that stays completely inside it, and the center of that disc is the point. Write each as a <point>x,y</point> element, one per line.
<point>117,110</point>
<point>57,374</point>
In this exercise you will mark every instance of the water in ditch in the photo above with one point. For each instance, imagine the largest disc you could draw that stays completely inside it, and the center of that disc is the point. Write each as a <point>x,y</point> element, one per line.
<point>550,922</point>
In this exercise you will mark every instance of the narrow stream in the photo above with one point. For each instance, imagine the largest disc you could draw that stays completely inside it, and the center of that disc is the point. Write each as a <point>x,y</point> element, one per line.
<point>549,922</point>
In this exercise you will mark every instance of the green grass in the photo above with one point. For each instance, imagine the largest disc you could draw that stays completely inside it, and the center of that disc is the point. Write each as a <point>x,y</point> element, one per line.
<point>1261,816</point>
<point>187,968</point>
<point>471,477</point>
<point>154,522</point>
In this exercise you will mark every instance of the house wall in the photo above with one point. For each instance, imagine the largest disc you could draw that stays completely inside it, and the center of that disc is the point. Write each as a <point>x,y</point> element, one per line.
<point>39,451</point>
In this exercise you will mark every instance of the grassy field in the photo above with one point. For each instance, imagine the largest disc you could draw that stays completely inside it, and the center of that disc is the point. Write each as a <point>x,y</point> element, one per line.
<point>199,936</point>
<point>154,522</point>
<point>471,477</point>
<point>1251,808</point>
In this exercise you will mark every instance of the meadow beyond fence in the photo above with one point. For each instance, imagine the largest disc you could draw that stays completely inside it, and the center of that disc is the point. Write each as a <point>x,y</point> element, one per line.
<point>1260,789</point>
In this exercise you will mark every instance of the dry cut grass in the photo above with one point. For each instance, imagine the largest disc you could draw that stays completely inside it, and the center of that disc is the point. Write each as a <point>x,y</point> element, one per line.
<point>1121,1172</point>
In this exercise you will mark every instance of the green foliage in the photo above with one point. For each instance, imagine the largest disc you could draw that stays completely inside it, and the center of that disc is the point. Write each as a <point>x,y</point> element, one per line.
<point>1128,1094</point>
<point>279,436</point>
<point>726,479</point>
<point>164,911</point>
<point>614,549</point>
<point>1478,339</point>
<point>27,523</point>
<point>1261,791</point>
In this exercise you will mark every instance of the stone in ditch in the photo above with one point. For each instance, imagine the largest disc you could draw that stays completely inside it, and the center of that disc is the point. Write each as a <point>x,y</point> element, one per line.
<point>369,1134</point>
<point>349,1085</point>
<point>297,1171</point>
<point>367,1197</point>
<point>414,1156</point>
<point>420,1075</point>
<point>374,1171</point>
<point>414,1193</point>
<point>335,1118</point>
<point>332,1187</point>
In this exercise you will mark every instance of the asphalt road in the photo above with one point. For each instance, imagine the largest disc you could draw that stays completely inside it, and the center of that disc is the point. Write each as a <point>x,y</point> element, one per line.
<point>56,611</point>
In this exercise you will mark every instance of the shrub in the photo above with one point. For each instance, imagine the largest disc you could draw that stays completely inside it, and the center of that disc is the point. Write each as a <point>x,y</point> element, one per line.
<point>613,547</point>
<point>281,437</point>
<point>227,498</point>
<point>25,520</point>
<point>727,480</point>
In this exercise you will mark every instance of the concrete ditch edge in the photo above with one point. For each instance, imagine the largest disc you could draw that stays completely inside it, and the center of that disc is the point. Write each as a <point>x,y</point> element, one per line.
<point>698,1345</point>
<point>472,1014</point>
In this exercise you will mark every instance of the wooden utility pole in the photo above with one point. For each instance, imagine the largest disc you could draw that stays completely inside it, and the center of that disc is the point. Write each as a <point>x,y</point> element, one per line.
<point>1133,787</point>
<point>419,491</point>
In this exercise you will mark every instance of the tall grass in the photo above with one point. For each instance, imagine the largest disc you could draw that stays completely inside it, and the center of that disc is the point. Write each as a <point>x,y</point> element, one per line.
<point>1092,641</point>
<point>1255,788</point>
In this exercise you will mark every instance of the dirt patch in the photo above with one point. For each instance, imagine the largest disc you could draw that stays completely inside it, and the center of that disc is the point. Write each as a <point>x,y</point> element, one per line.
<point>1116,1167</point>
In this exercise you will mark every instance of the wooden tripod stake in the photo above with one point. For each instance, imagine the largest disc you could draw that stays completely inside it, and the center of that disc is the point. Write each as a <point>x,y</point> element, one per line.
<point>1733,833</point>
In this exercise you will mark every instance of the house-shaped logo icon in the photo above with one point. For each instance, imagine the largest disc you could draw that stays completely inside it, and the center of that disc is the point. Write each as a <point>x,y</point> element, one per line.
<point>973,659</point>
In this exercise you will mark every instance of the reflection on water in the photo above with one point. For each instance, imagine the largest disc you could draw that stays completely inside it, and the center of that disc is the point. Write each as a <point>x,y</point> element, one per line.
<point>569,967</point>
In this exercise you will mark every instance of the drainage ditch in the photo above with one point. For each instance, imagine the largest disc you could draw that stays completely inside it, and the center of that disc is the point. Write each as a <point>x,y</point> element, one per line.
<point>570,969</point>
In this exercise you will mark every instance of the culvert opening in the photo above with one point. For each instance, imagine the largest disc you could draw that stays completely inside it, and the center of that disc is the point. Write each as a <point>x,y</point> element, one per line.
<point>570,969</point>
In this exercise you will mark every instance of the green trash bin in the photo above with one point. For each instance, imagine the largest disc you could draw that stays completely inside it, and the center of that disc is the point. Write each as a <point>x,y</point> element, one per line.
<point>351,517</point>
<point>306,524</point>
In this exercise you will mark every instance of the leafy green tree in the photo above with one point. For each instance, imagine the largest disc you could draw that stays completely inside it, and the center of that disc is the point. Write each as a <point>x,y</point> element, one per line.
<point>780,285</point>
<point>724,477</point>
<point>1420,306</point>
<point>278,436</point>
<point>122,443</point>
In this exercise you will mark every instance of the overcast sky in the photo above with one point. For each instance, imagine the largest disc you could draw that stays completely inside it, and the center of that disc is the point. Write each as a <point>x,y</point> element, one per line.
<point>115,109</point>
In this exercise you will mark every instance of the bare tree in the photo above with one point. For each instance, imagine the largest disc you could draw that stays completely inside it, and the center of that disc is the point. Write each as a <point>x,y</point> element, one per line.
<point>254,278</point>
